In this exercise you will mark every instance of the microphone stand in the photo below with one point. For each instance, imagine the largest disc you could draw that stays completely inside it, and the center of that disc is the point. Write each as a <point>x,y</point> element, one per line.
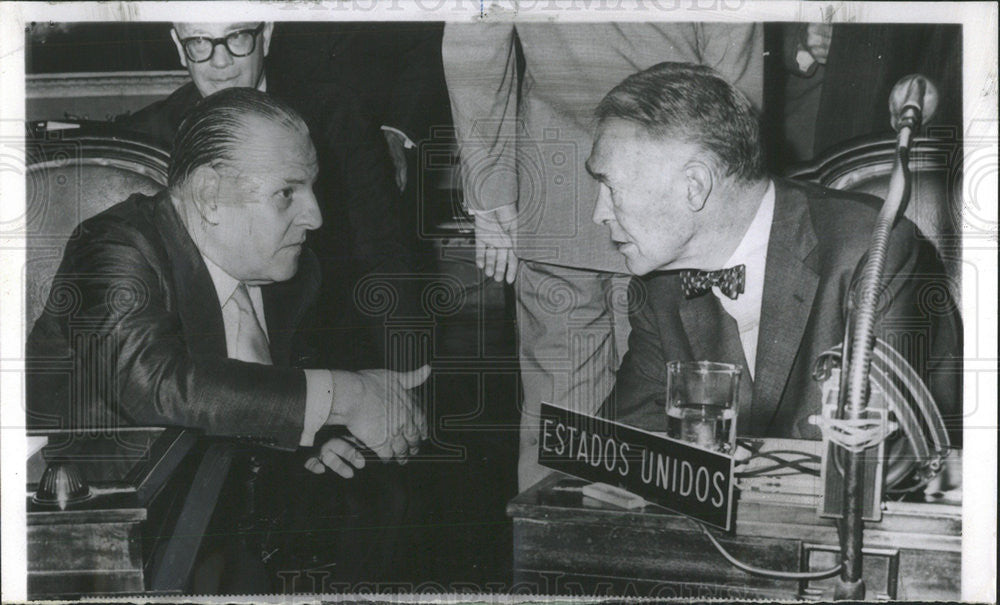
<point>858,350</point>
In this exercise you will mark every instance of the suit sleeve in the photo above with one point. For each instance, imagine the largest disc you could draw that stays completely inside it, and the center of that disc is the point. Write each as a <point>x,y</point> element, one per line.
<point>921,320</point>
<point>639,396</point>
<point>481,72</point>
<point>737,53</point>
<point>415,93</point>
<point>133,352</point>
<point>364,187</point>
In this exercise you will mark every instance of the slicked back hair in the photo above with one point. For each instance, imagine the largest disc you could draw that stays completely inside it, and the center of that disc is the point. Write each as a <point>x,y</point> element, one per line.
<point>694,104</point>
<point>219,124</point>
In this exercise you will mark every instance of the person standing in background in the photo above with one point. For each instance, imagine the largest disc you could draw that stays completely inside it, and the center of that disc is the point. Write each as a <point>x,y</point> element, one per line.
<point>395,71</point>
<point>833,79</point>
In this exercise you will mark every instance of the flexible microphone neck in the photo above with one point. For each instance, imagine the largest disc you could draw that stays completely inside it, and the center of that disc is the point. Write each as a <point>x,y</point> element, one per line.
<point>912,103</point>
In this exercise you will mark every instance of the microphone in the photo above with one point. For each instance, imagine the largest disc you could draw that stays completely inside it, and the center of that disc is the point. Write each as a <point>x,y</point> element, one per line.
<point>912,102</point>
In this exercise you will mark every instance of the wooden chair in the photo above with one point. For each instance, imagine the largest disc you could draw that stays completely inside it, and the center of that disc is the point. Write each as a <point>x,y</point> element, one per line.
<point>72,174</point>
<point>865,165</point>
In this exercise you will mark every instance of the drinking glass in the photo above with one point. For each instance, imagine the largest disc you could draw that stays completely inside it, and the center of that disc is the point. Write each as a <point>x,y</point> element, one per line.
<point>702,403</point>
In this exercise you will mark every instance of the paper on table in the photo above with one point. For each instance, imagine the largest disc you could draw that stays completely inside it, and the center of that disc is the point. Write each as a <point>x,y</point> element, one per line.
<point>35,443</point>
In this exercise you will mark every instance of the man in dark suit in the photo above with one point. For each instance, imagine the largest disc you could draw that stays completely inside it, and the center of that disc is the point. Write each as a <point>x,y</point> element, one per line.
<point>363,231</point>
<point>186,308</point>
<point>395,69</point>
<point>683,191</point>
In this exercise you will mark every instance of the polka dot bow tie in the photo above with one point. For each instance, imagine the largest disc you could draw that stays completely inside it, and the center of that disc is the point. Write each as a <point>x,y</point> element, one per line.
<point>730,281</point>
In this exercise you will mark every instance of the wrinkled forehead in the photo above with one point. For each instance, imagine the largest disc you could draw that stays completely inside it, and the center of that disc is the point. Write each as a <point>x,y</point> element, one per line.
<point>617,140</point>
<point>614,136</point>
<point>212,30</point>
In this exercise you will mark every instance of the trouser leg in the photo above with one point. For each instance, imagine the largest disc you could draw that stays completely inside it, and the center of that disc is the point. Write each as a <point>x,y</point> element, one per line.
<point>572,325</point>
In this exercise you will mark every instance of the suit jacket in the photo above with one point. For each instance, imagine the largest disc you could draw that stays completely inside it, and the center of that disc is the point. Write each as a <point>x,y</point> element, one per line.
<point>525,128</point>
<point>133,335</point>
<point>817,238</point>
<point>393,68</point>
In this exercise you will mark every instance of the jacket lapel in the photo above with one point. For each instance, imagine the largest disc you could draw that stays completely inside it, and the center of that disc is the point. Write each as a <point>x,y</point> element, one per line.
<point>790,282</point>
<point>280,310</point>
<point>285,304</point>
<point>202,323</point>
<point>714,336</point>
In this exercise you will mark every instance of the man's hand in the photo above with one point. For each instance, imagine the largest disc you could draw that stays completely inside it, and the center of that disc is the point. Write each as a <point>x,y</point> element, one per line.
<point>807,47</point>
<point>495,232</point>
<point>339,455</point>
<point>377,408</point>
<point>817,41</point>
<point>397,151</point>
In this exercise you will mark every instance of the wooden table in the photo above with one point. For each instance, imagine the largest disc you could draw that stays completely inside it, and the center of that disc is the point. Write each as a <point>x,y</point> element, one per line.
<point>153,492</point>
<point>571,545</point>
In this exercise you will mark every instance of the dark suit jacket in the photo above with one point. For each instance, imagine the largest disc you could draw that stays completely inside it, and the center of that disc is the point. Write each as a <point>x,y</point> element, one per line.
<point>133,335</point>
<point>847,97</point>
<point>394,68</point>
<point>817,239</point>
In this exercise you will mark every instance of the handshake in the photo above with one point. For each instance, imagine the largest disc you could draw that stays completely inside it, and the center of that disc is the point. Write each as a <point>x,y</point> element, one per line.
<point>376,406</point>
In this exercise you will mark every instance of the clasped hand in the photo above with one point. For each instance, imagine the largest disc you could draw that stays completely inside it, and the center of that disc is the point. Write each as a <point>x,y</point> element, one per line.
<point>378,409</point>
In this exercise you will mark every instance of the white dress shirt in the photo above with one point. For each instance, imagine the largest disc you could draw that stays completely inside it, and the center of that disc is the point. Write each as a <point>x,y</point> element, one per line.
<point>319,383</point>
<point>752,252</point>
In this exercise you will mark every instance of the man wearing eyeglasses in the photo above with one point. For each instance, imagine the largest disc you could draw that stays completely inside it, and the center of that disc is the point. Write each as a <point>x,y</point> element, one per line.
<point>214,71</point>
<point>362,232</point>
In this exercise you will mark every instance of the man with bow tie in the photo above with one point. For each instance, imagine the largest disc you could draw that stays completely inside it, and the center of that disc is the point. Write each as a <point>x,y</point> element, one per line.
<point>735,266</point>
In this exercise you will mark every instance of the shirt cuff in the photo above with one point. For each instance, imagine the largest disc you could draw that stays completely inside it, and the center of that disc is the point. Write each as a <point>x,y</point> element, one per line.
<point>319,400</point>
<point>407,143</point>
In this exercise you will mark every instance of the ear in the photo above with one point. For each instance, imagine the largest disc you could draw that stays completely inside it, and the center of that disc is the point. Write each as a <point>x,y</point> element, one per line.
<point>180,47</point>
<point>266,35</point>
<point>204,184</point>
<point>698,178</point>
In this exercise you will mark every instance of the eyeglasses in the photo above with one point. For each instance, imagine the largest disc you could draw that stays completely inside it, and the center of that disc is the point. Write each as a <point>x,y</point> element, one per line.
<point>239,43</point>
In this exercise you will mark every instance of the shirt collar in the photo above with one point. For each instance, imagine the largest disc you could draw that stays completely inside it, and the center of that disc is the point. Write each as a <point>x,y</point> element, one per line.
<point>225,284</point>
<point>752,249</point>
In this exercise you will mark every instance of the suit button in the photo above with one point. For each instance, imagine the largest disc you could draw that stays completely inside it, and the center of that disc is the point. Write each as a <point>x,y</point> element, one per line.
<point>533,440</point>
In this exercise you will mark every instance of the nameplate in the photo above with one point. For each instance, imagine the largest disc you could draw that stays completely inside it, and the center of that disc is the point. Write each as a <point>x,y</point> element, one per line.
<point>685,478</point>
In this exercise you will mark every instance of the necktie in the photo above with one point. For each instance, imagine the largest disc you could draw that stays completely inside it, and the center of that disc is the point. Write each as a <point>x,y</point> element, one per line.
<point>251,342</point>
<point>730,281</point>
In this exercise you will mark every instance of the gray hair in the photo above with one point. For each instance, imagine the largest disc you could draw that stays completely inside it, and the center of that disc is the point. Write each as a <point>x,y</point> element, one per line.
<point>692,103</point>
<point>216,126</point>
